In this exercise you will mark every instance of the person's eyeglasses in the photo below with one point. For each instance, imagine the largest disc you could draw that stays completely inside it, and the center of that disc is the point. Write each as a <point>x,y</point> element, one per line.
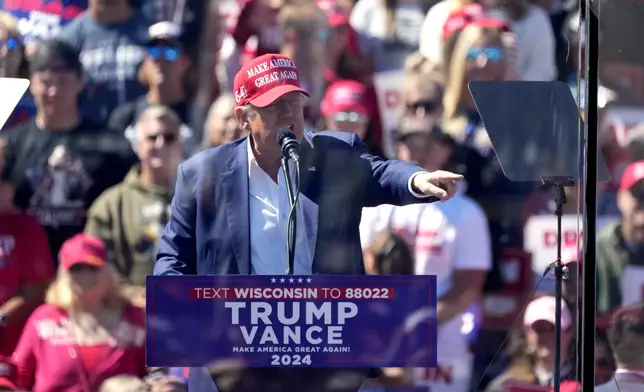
<point>10,44</point>
<point>352,117</point>
<point>83,268</point>
<point>168,138</point>
<point>427,106</point>
<point>164,52</point>
<point>492,54</point>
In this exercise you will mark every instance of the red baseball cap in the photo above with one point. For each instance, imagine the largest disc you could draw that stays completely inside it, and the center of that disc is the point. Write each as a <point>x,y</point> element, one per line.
<point>633,174</point>
<point>265,78</point>
<point>7,373</point>
<point>345,96</point>
<point>337,19</point>
<point>569,386</point>
<point>458,20</point>
<point>82,249</point>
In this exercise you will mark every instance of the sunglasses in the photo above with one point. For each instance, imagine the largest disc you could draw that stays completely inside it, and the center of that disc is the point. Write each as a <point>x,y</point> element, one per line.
<point>81,267</point>
<point>427,106</point>
<point>352,117</point>
<point>492,54</point>
<point>164,53</point>
<point>10,43</point>
<point>168,138</point>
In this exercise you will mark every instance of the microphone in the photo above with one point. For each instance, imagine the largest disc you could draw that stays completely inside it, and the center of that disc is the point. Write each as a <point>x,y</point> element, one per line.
<point>289,144</point>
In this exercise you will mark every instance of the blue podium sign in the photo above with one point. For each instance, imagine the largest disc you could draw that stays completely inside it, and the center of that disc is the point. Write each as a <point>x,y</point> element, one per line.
<point>292,321</point>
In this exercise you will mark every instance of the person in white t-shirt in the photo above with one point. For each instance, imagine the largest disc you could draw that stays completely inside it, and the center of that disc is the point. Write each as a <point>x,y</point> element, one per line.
<point>450,240</point>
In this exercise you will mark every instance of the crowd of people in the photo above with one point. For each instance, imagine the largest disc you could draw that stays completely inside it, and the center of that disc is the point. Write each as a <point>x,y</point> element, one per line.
<point>121,92</point>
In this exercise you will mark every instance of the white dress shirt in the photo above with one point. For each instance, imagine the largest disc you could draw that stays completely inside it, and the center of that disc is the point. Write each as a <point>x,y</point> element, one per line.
<point>269,208</point>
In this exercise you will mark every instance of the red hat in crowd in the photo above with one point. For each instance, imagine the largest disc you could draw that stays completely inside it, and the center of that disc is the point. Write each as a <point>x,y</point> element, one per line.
<point>569,386</point>
<point>461,18</point>
<point>345,96</point>
<point>337,19</point>
<point>82,249</point>
<point>472,14</point>
<point>543,309</point>
<point>492,23</point>
<point>633,174</point>
<point>7,373</point>
<point>266,78</point>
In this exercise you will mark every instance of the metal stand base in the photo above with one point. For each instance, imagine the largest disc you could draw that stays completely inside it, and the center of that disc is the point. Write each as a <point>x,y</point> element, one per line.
<point>560,270</point>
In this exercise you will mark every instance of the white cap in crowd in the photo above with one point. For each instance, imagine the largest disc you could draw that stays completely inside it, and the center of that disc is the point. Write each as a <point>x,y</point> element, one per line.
<point>543,309</point>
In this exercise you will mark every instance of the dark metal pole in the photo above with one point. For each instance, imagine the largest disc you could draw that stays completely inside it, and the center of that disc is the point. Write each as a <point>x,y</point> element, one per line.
<point>587,338</point>
<point>559,276</point>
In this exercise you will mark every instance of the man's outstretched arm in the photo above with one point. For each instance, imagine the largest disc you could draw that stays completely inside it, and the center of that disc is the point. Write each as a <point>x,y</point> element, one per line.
<point>399,183</point>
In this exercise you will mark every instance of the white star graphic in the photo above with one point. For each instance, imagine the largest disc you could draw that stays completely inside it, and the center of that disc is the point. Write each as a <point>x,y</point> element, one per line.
<point>282,280</point>
<point>273,280</point>
<point>291,280</point>
<point>308,280</point>
<point>300,280</point>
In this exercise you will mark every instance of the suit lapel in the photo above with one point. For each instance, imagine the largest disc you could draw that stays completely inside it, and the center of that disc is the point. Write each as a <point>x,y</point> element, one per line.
<point>235,186</point>
<point>309,194</point>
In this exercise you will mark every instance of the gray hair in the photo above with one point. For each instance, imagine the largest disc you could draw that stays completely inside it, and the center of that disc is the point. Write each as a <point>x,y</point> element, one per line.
<point>152,112</point>
<point>158,112</point>
<point>223,102</point>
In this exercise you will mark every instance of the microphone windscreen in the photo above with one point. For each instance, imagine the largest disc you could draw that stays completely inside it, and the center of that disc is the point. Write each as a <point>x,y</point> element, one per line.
<point>283,133</point>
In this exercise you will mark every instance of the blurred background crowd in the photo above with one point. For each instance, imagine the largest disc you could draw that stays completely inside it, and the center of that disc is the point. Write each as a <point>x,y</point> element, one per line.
<point>122,91</point>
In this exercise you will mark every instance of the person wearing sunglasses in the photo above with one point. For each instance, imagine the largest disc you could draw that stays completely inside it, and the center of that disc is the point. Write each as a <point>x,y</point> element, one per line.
<point>86,332</point>
<point>423,96</point>
<point>163,72</point>
<point>130,216</point>
<point>12,60</point>
<point>345,107</point>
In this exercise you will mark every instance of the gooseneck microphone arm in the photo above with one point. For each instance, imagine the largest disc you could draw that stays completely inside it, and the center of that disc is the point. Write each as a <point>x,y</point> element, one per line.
<point>290,149</point>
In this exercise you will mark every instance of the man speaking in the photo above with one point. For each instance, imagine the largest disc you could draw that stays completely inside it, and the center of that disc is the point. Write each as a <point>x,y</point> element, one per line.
<point>230,208</point>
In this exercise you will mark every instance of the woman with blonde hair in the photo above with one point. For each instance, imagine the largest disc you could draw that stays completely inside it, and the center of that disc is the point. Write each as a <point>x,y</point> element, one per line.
<point>86,332</point>
<point>422,92</point>
<point>478,55</point>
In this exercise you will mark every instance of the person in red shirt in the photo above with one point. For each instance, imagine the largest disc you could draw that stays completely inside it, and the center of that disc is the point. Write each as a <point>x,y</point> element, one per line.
<point>86,332</point>
<point>25,266</point>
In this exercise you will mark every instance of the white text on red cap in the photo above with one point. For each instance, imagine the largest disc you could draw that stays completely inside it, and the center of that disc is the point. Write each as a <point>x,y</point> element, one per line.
<point>259,69</point>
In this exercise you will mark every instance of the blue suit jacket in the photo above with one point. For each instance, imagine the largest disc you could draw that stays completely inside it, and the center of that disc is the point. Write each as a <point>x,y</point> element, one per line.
<point>209,231</point>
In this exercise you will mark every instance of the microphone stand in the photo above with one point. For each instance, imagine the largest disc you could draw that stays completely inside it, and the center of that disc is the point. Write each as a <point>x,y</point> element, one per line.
<point>561,271</point>
<point>293,197</point>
